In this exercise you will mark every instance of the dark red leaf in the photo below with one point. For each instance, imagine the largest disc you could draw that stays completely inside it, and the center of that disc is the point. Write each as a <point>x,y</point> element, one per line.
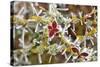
<point>84,54</point>
<point>55,30</point>
<point>49,27</point>
<point>51,33</point>
<point>57,34</point>
<point>52,29</point>
<point>75,50</point>
<point>54,24</point>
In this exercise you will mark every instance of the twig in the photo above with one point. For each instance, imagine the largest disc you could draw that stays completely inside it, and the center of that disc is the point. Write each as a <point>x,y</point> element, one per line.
<point>68,58</point>
<point>85,42</point>
<point>23,33</point>
<point>64,52</point>
<point>92,42</point>
<point>14,32</point>
<point>39,12</point>
<point>36,27</point>
<point>39,58</point>
<point>65,55</point>
<point>20,12</point>
<point>63,9</point>
<point>50,58</point>
<point>33,8</point>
